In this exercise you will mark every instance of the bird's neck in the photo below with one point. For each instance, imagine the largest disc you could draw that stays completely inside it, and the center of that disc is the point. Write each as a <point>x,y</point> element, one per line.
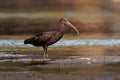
<point>62,28</point>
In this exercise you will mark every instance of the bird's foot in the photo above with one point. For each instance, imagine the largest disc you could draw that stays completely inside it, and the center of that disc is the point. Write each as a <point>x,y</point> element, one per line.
<point>46,56</point>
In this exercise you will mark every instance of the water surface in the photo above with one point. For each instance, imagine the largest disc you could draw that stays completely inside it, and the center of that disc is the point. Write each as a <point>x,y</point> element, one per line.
<point>16,66</point>
<point>80,42</point>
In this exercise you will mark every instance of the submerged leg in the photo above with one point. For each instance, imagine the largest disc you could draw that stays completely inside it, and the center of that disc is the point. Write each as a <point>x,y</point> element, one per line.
<point>45,51</point>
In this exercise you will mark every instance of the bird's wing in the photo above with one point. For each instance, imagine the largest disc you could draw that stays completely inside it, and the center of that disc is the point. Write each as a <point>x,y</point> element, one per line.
<point>43,37</point>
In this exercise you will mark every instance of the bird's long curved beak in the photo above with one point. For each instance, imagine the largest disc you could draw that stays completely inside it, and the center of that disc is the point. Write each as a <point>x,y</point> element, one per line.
<point>71,25</point>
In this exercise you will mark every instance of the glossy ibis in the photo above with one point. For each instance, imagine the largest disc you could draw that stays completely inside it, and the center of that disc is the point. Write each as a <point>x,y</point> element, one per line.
<point>45,39</point>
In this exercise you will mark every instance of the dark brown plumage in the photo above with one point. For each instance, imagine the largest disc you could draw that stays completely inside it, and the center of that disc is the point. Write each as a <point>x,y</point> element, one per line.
<point>45,39</point>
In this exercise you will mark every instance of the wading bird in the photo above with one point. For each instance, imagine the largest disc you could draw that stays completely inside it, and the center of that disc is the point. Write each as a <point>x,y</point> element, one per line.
<point>45,39</point>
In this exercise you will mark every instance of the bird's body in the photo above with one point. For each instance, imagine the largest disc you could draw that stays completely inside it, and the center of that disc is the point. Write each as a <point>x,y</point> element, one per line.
<point>46,39</point>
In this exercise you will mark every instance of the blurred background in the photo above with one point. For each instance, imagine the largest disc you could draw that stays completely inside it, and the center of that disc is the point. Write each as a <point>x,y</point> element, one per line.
<point>97,48</point>
<point>92,17</point>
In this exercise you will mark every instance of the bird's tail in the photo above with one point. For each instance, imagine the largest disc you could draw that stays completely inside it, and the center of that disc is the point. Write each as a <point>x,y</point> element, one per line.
<point>28,41</point>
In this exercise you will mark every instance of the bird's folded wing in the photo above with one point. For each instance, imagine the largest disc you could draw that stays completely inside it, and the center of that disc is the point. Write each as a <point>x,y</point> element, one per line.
<point>43,37</point>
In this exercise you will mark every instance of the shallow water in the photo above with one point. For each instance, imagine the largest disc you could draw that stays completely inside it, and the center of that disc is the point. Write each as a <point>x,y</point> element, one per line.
<point>15,66</point>
<point>14,57</point>
<point>75,68</point>
<point>27,58</point>
<point>81,42</point>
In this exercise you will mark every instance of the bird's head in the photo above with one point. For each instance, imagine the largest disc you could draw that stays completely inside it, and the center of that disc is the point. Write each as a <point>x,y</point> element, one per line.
<point>66,22</point>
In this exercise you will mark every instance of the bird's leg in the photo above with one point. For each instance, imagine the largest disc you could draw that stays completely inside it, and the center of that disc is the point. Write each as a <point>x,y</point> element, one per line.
<point>45,51</point>
<point>44,54</point>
